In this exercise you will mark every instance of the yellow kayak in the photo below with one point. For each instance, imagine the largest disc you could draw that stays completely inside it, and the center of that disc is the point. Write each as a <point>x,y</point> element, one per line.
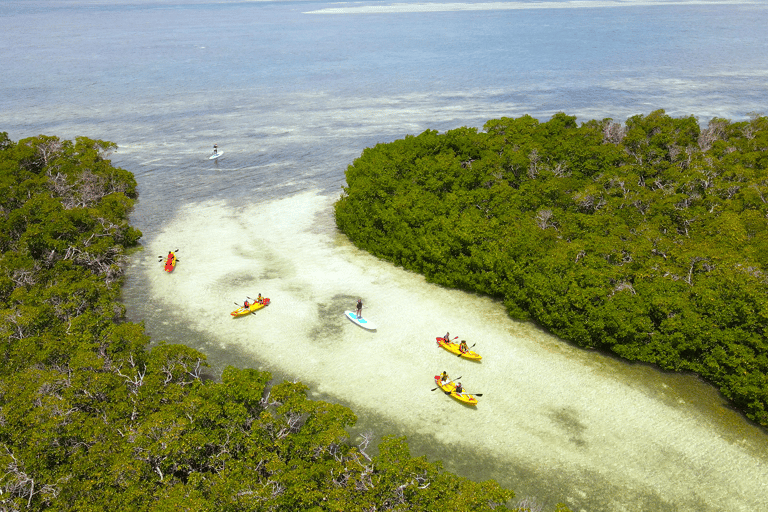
<point>450,389</point>
<point>253,307</point>
<point>454,348</point>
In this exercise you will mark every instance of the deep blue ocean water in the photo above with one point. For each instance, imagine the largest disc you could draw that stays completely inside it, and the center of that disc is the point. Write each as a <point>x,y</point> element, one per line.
<point>167,79</point>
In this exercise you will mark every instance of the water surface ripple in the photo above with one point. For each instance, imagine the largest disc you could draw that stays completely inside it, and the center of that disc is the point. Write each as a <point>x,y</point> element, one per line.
<point>293,91</point>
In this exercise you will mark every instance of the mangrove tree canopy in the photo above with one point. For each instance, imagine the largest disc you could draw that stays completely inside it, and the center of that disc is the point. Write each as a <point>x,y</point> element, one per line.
<point>648,239</point>
<point>91,419</point>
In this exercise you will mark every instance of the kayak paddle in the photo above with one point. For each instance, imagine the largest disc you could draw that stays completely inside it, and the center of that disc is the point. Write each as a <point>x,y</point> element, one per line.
<point>457,378</point>
<point>161,257</point>
<point>464,392</point>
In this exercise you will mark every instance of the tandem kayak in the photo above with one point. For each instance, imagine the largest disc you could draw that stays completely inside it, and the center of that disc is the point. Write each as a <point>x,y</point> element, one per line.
<point>450,389</point>
<point>253,307</point>
<point>454,349</point>
<point>170,262</point>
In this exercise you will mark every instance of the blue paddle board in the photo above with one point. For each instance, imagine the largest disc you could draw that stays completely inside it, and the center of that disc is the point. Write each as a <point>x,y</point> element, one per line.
<point>362,322</point>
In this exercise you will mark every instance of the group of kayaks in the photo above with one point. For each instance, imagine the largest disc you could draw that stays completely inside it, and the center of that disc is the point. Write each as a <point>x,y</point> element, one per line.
<point>449,386</point>
<point>170,265</point>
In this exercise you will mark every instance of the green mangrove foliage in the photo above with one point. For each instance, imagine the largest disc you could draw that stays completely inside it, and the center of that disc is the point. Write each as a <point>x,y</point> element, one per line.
<point>648,239</point>
<point>91,419</point>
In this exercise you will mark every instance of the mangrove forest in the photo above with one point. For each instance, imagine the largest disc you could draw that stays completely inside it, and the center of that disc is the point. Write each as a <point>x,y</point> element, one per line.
<point>646,239</point>
<point>93,417</point>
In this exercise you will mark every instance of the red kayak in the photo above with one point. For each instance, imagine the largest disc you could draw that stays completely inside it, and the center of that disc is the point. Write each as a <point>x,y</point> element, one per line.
<point>170,262</point>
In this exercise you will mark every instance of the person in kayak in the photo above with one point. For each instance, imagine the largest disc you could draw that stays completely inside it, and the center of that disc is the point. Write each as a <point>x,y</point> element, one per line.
<point>359,308</point>
<point>443,377</point>
<point>459,388</point>
<point>260,299</point>
<point>447,337</point>
<point>463,348</point>
<point>246,305</point>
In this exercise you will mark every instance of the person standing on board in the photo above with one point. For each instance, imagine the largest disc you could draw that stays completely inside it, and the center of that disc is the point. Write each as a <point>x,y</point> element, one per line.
<point>215,149</point>
<point>359,308</point>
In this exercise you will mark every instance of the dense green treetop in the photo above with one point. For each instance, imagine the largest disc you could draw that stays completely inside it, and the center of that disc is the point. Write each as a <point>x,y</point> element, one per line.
<point>91,419</point>
<point>648,239</point>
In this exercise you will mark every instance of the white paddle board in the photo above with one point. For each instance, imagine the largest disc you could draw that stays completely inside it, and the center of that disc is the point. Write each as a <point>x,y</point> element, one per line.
<point>215,155</point>
<point>362,322</point>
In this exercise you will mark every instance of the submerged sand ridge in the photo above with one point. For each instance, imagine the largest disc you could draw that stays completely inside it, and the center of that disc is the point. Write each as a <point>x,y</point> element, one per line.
<point>617,437</point>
